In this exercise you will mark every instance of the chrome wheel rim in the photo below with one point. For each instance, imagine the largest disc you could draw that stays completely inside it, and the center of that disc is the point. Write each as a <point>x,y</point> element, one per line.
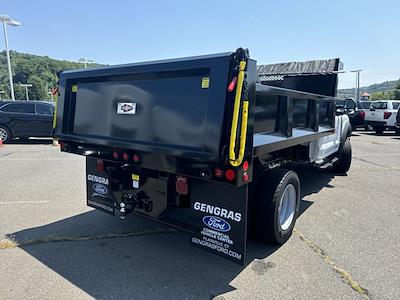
<point>3,134</point>
<point>287,207</point>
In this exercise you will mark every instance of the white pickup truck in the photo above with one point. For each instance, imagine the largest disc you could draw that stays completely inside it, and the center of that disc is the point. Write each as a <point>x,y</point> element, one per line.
<point>382,115</point>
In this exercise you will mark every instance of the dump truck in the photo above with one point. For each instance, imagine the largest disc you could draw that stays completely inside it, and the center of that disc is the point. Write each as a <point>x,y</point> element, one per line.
<point>204,143</point>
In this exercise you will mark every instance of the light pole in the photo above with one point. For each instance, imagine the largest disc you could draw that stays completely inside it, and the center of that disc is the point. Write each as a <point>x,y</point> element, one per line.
<point>357,91</point>
<point>85,61</point>
<point>7,20</point>
<point>26,86</point>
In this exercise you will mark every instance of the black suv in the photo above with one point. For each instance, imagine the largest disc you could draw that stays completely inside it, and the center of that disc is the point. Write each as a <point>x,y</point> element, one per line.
<point>25,119</point>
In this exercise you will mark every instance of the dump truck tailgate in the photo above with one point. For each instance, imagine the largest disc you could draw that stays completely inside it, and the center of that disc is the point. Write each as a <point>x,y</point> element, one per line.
<point>177,107</point>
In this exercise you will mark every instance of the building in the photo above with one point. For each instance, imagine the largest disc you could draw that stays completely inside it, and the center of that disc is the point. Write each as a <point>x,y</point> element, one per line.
<point>365,96</point>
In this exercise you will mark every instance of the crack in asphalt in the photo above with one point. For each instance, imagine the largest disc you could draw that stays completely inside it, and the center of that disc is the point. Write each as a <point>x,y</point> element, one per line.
<point>347,278</point>
<point>374,163</point>
<point>9,242</point>
<point>5,154</point>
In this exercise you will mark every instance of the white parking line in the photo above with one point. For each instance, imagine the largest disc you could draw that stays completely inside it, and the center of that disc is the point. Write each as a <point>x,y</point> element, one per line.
<point>30,159</point>
<point>23,202</point>
<point>379,154</point>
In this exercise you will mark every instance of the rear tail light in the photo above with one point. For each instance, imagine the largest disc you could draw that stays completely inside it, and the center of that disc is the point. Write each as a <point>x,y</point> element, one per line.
<point>115,154</point>
<point>246,177</point>
<point>136,158</point>
<point>230,174</point>
<point>362,114</point>
<point>387,114</point>
<point>125,156</point>
<point>100,165</point>
<point>232,85</point>
<point>218,172</point>
<point>181,185</point>
<point>245,166</point>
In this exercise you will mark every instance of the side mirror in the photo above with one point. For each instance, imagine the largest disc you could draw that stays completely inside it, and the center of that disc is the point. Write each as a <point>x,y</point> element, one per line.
<point>339,111</point>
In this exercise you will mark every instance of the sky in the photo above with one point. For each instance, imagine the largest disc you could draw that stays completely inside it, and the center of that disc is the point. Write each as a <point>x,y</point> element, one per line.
<point>364,34</point>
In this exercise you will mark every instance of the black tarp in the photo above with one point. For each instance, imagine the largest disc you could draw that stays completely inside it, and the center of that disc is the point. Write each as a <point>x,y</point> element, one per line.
<point>314,76</point>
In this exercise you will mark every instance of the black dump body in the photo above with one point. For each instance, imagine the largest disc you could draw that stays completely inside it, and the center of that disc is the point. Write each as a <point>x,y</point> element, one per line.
<point>179,140</point>
<point>182,114</point>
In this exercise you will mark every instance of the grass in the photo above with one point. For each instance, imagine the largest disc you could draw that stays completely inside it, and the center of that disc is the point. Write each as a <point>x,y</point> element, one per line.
<point>7,243</point>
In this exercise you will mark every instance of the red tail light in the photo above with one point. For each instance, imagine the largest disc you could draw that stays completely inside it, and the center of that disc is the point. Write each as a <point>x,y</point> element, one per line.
<point>136,158</point>
<point>232,85</point>
<point>181,185</point>
<point>218,172</point>
<point>246,177</point>
<point>125,156</point>
<point>387,114</point>
<point>230,174</point>
<point>362,114</point>
<point>100,165</point>
<point>115,154</point>
<point>245,165</point>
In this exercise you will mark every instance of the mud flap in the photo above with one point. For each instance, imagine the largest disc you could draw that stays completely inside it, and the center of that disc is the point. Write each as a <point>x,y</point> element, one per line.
<point>98,188</point>
<point>220,216</point>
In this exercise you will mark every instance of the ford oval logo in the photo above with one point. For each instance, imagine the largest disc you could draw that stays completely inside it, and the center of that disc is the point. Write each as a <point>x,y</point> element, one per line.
<point>100,188</point>
<point>216,223</point>
<point>126,107</point>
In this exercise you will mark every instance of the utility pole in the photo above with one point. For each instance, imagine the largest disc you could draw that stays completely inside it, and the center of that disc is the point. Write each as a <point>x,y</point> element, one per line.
<point>85,61</point>
<point>8,21</point>
<point>357,91</point>
<point>26,86</point>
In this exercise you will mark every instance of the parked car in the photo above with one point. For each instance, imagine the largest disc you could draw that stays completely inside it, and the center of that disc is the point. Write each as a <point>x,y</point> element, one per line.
<point>382,115</point>
<point>24,119</point>
<point>354,110</point>
<point>365,104</point>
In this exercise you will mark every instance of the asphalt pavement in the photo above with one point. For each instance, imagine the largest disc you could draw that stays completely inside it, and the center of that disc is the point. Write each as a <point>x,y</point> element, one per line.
<point>346,244</point>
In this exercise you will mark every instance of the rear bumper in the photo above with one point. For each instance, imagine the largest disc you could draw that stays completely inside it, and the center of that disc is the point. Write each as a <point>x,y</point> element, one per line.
<point>376,123</point>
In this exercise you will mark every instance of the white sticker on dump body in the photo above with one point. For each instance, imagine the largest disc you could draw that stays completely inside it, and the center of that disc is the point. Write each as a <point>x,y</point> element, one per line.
<point>126,108</point>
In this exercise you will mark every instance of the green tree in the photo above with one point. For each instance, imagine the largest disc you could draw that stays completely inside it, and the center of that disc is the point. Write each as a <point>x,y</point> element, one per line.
<point>40,71</point>
<point>397,91</point>
<point>382,95</point>
<point>38,90</point>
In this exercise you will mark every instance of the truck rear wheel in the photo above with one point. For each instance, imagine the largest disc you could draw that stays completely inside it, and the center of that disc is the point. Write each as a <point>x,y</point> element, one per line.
<point>345,155</point>
<point>276,205</point>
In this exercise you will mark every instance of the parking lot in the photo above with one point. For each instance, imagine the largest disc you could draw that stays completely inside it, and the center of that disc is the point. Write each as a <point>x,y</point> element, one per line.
<point>346,242</point>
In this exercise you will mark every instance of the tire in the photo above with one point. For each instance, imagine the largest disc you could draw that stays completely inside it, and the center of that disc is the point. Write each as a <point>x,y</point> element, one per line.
<point>378,130</point>
<point>345,155</point>
<point>270,222</point>
<point>5,134</point>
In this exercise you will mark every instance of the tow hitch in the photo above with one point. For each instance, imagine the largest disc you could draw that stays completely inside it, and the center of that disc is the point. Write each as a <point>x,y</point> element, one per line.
<point>130,202</point>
